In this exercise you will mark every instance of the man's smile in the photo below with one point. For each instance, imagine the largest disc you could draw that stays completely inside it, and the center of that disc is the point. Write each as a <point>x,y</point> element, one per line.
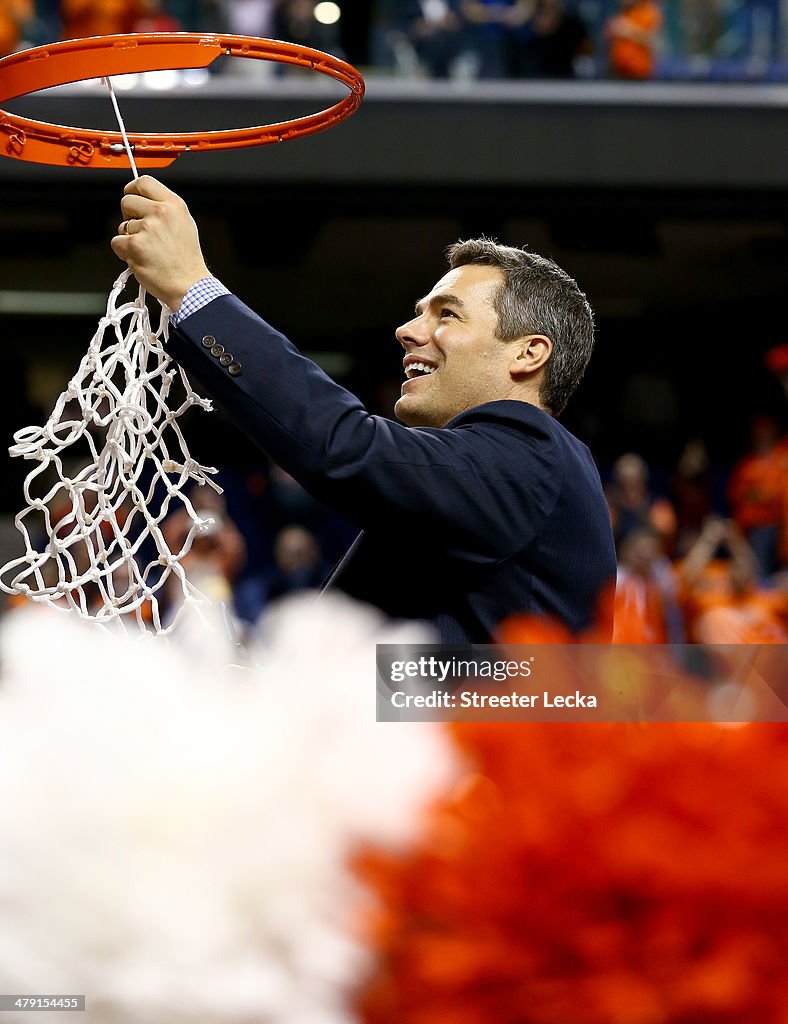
<point>417,367</point>
<point>419,370</point>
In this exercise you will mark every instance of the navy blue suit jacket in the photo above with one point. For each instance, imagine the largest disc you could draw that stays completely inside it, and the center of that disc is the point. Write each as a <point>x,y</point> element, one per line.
<point>500,511</point>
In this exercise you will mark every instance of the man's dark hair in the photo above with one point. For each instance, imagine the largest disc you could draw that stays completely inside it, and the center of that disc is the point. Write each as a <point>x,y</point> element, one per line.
<point>537,297</point>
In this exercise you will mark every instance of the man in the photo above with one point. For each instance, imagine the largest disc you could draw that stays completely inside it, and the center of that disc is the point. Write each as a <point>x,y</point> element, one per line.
<point>482,505</point>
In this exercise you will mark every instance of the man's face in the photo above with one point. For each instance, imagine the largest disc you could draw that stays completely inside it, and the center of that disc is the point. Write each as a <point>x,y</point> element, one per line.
<point>452,337</point>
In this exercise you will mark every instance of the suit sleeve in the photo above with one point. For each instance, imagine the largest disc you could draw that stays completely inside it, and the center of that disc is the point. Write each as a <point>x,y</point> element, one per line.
<point>462,486</point>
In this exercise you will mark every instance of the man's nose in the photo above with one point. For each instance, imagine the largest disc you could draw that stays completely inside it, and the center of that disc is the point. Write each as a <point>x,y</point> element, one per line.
<point>414,332</point>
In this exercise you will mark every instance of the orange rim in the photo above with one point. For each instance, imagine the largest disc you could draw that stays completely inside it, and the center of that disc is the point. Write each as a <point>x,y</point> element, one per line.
<point>76,60</point>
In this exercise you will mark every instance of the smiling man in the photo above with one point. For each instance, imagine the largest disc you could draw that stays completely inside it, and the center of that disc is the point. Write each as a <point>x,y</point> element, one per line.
<point>478,504</point>
<point>455,359</point>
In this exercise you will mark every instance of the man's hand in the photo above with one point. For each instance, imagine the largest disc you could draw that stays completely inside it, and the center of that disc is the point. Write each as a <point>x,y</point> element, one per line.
<point>159,241</point>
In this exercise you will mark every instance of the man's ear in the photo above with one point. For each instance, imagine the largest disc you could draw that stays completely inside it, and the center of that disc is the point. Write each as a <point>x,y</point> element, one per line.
<point>529,355</point>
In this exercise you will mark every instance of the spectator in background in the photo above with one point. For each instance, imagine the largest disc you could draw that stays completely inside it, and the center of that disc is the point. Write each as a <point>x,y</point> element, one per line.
<point>632,506</point>
<point>692,487</point>
<point>492,26</point>
<point>757,28</point>
<point>97,17</point>
<point>701,27</point>
<point>433,28</point>
<point>646,609</point>
<point>248,18</point>
<point>549,41</point>
<point>190,13</point>
<point>216,557</point>
<point>757,492</point>
<point>633,36</point>
<point>295,21</point>
<point>298,562</point>
<point>14,15</point>
<point>154,16</point>
<point>722,600</point>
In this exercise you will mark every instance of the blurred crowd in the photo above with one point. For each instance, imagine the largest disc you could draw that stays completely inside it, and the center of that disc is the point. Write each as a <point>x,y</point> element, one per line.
<point>464,39</point>
<point>553,39</point>
<point>692,571</point>
<point>703,551</point>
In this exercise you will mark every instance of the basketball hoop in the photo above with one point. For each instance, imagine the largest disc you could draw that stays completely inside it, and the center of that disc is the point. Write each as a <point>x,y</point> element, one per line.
<point>76,60</point>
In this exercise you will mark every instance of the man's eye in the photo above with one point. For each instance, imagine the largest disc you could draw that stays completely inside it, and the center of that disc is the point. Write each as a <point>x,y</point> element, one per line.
<point>448,312</point>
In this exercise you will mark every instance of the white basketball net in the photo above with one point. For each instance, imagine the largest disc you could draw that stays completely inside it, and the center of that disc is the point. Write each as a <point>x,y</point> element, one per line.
<point>111,464</point>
